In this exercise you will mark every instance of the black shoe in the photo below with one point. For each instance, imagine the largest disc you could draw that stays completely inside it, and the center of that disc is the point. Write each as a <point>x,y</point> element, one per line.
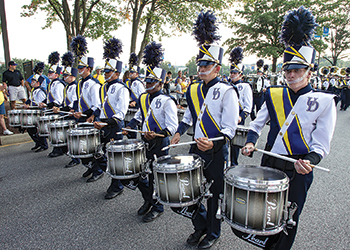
<point>144,208</point>
<point>54,154</point>
<point>87,172</point>
<point>72,163</point>
<point>151,216</point>
<point>40,150</point>
<point>206,243</point>
<point>113,194</point>
<point>95,177</point>
<point>194,238</point>
<point>35,147</point>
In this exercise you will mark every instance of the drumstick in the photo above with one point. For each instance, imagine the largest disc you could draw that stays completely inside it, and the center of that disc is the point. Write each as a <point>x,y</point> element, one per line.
<point>289,159</point>
<point>67,112</point>
<point>141,132</point>
<point>190,143</point>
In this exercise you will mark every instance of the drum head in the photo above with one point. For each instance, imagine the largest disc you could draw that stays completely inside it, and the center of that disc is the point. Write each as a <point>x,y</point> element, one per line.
<point>124,145</point>
<point>176,163</point>
<point>259,179</point>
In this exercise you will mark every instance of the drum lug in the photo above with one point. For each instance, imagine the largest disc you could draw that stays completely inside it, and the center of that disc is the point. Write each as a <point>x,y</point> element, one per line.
<point>220,203</point>
<point>289,222</point>
<point>207,193</point>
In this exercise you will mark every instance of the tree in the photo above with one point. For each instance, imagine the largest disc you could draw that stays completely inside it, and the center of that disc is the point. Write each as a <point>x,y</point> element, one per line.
<point>192,66</point>
<point>164,18</point>
<point>258,32</point>
<point>335,16</point>
<point>92,19</point>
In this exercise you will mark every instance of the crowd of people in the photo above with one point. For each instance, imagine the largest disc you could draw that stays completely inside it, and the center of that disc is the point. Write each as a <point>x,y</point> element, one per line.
<point>301,117</point>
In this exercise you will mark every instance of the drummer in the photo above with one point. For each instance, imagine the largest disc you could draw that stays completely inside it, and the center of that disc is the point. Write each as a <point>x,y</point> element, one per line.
<point>158,114</point>
<point>115,99</point>
<point>135,85</point>
<point>37,95</point>
<point>54,93</point>
<point>302,120</point>
<point>70,93</point>
<point>244,91</point>
<point>213,110</point>
<point>88,94</point>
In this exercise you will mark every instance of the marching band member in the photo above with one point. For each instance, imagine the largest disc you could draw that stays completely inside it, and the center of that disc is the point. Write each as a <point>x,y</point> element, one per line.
<point>88,94</point>
<point>135,85</point>
<point>213,110</point>
<point>158,114</point>
<point>302,120</point>
<point>37,96</point>
<point>70,93</point>
<point>55,91</point>
<point>244,91</point>
<point>115,99</point>
<point>258,90</point>
<point>345,102</point>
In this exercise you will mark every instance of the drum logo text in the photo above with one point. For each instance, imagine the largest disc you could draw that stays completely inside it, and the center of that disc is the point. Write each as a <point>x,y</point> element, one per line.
<point>127,165</point>
<point>251,238</point>
<point>82,146</point>
<point>271,206</point>
<point>183,184</point>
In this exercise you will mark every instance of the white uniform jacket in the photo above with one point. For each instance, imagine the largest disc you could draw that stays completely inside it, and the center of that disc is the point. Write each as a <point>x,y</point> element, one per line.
<point>299,124</point>
<point>136,87</point>
<point>212,108</point>
<point>55,92</point>
<point>115,98</point>
<point>88,91</point>
<point>157,112</point>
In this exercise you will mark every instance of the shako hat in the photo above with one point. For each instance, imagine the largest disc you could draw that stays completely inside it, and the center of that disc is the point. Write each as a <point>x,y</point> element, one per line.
<point>236,57</point>
<point>54,58</point>
<point>112,49</point>
<point>153,55</point>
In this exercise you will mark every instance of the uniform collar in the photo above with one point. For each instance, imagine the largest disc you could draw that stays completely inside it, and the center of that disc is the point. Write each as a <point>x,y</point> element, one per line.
<point>154,95</point>
<point>211,83</point>
<point>87,78</point>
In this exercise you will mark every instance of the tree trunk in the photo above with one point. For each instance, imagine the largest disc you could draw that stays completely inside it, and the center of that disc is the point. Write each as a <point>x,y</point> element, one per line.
<point>274,64</point>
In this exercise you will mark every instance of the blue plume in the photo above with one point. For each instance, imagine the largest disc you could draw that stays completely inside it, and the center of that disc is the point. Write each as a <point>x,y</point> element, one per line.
<point>133,60</point>
<point>298,27</point>
<point>260,63</point>
<point>266,67</point>
<point>112,48</point>
<point>54,58</point>
<point>68,59</point>
<point>205,28</point>
<point>347,70</point>
<point>153,54</point>
<point>236,55</point>
<point>39,68</point>
<point>79,46</point>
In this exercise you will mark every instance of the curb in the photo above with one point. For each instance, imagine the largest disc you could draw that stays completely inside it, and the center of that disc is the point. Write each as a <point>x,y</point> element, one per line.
<point>7,140</point>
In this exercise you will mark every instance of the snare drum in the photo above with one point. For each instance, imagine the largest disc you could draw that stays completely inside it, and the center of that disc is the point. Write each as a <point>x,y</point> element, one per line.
<point>43,122</point>
<point>130,114</point>
<point>255,199</point>
<point>29,118</point>
<point>82,142</point>
<point>58,132</point>
<point>14,117</point>
<point>240,137</point>
<point>179,179</point>
<point>125,158</point>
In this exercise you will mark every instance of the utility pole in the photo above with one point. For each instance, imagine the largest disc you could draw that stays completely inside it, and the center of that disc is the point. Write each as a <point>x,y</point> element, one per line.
<point>5,38</point>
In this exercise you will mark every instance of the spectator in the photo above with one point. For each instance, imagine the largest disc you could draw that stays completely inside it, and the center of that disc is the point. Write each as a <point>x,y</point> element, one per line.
<point>126,76</point>
<point>99,75</point>
<point>14,79</point>
<point>167,83</point>
<point>3,111</point>
<point>38,69</point>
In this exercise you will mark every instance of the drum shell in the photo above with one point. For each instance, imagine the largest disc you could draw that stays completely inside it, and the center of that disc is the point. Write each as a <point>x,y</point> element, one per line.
<point>58,132</point>
<point>179,185</point>
<point>29,118</point>
<point>125,158</point>
<point>255,206</point>
<point>240,137</point>
<point>14,117</point>
<point>82,142</point>
<point>43,122</point>
<point>130,114</point>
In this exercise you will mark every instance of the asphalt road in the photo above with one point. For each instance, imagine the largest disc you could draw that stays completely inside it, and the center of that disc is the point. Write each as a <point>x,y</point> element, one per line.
<point>45,206</point>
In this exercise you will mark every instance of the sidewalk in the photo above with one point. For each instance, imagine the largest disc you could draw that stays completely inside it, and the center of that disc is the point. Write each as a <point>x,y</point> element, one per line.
<point>6,140</point>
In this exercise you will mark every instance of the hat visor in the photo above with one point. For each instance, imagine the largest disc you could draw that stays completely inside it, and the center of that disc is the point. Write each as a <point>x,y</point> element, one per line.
<point>107,70</point>
<point>81,66</point>
<point>151,80</point>
<point>294,66</point>
<point>235,71</point>
<point>204,63</point>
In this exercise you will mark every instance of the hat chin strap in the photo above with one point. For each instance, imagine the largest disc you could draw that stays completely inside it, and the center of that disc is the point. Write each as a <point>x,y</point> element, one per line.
<point>110,76</point>
<point>299,79</point>
<point>155,85</point>
<point>80,73</point>
<point>209,71</point>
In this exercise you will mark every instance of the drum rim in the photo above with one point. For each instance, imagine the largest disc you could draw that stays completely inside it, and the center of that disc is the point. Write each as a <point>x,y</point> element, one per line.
<point>125,148</point>
<point>47,117</point>
<point>67,123</point>
<point>84,131</point>
<point>258,185</point>
<point>198,163</point>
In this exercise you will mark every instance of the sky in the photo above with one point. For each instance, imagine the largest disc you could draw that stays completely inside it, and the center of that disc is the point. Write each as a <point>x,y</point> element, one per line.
<point>28,40</point>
